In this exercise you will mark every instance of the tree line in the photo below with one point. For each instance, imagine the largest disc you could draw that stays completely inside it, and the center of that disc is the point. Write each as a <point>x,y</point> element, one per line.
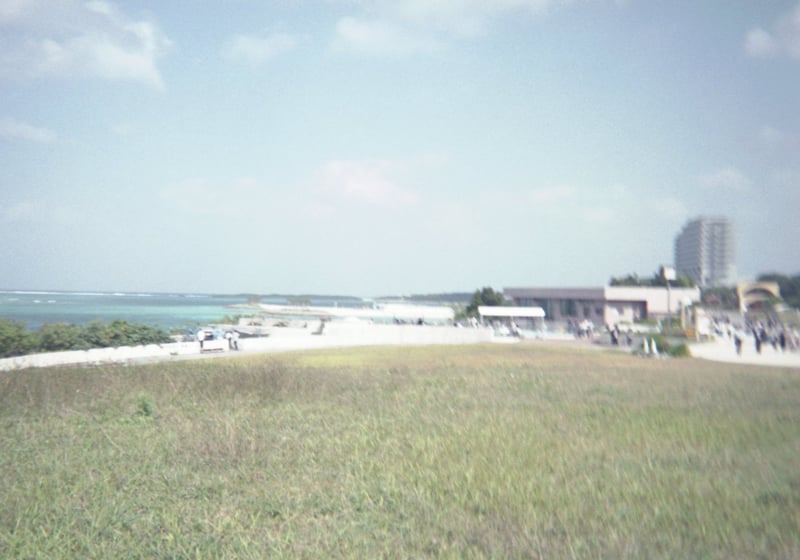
<point>722,296</point>
<point>17,340</point>
<point>789,287</point>
<point>656,280</point>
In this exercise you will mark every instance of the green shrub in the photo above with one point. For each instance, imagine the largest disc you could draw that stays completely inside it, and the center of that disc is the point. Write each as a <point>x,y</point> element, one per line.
<point>61,336</point>
<point>97,335</point>
<point>679,350</point>
<point>145,407</point>
<point>15,339</point>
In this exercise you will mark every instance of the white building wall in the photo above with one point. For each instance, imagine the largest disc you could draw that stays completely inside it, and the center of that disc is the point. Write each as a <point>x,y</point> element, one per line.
<point>656,299</point>
<point>609,304</point>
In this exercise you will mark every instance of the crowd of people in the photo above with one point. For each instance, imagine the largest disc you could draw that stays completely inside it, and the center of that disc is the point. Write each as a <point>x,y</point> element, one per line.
<point>768,333</point>
<point>772,333</point>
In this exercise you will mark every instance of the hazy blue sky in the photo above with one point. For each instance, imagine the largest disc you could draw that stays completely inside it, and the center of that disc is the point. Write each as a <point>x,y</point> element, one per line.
<point>372,147</point>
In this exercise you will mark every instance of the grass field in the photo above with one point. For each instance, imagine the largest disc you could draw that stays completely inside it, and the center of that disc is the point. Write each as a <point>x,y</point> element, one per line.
<point>522,451</point>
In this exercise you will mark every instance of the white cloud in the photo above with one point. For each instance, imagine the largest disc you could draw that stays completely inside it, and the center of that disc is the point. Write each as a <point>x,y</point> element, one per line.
<point>16,130</point>
<point>775,138</point>
<point>122,129</point>
<point>545,196</point>
<point>783,39</point>
<point>256,50</point>
<point>789,32</point>
<point>406,27</point>
<point>12,9</point>
<point>18,212</point>
<point>771,135</point>
<point>85,39</point>
<point>40,212</point>
<point>620,210</point>
<point>598,215</point>
<point>725,179</point>
<point>380,38</point>
<point>367,182</point>
<point>201,197</point>
<point>100,7</point>
<point>760,44</point>
<point>458,17</point>
<point>668,207</point>
<point>787,178</point>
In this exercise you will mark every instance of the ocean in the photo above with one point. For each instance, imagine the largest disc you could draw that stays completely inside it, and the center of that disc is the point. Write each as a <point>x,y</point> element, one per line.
<point>168,311</point>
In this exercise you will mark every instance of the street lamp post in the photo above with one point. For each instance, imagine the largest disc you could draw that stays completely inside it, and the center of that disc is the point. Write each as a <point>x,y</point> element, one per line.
<point>668,273</point>
<point>669,307</point>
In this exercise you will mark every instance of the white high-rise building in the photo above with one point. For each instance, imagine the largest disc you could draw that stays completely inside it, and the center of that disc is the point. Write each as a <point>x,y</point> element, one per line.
<point>705,250</point>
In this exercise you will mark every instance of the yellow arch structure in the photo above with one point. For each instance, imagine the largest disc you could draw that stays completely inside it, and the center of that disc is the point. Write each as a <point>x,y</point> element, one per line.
<point>750,293</point>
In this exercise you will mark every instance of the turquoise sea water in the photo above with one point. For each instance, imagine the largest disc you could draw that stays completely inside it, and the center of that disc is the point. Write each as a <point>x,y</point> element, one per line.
<point>168,311</point>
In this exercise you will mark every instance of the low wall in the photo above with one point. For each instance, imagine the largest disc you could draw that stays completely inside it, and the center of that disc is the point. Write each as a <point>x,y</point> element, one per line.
<point>337,335</point>
<point>99,356</point>
<point>406,334</point>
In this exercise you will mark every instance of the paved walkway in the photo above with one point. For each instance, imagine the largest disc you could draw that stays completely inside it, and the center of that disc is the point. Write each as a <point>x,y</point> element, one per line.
<point>336,335</point>
<point>723,350</point>
<point>719,350</point>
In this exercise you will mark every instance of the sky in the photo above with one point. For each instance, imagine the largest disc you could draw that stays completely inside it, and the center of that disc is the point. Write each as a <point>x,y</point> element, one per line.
<point>377,147</point>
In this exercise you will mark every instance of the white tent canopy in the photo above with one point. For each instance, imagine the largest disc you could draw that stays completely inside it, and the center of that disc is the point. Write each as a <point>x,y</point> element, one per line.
<point>513,312</point>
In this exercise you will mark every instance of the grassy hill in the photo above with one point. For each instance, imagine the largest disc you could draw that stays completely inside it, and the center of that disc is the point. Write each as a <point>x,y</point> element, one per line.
<point>520,451</point>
